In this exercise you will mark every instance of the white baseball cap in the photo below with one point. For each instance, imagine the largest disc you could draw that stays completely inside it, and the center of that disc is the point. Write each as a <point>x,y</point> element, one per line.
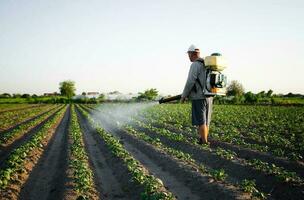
<point>193,48</point>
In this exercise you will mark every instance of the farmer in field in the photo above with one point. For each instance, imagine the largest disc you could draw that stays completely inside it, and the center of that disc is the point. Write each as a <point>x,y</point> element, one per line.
<point>201,105</point>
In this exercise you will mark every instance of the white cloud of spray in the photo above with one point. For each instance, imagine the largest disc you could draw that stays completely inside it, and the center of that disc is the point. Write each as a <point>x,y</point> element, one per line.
<point>111,115</point>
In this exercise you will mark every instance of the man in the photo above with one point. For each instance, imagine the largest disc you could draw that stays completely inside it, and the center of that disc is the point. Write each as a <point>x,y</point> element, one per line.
<point>201,105</point>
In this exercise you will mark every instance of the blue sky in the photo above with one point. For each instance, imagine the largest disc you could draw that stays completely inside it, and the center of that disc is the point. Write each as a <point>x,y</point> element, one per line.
<point>130,46</point>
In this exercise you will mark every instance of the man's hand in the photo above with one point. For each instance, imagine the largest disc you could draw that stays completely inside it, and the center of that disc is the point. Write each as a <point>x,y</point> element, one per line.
<point>183,99</point>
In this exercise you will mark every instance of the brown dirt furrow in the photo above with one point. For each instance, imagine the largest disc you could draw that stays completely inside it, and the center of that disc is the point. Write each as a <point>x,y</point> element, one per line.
<point>6,150</point>
<point>236,170</point>
<point>46,180</point>
<point>111,176</point>
<point>182,180</point>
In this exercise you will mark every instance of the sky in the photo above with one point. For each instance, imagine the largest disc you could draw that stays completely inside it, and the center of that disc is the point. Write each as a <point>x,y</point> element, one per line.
<point>130,46</point>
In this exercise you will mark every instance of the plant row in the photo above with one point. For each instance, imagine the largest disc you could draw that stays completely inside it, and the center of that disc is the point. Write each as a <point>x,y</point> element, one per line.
<point>82,174</point>
<point>8,137</point>
<point>14,164</point>
<point>13,107</point>
<point>12,118</point>
<point>272,169</point>
<point>275,129</point>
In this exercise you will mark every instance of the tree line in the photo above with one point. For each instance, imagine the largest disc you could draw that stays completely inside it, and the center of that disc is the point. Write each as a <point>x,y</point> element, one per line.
<point>236,95</point>
<point>67,92</point>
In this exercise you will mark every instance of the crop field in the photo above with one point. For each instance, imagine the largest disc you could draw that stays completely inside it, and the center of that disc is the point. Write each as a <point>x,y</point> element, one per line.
<point>149,151</point>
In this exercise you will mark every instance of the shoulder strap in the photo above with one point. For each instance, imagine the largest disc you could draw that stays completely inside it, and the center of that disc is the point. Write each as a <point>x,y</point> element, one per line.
<point>201,61</point>
<point>197,79</point>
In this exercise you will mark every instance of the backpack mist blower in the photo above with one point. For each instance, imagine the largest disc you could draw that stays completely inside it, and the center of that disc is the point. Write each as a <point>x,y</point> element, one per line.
<point>216,82</point>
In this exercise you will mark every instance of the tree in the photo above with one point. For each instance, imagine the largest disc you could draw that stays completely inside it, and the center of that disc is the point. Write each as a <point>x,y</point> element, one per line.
<point>16,95</point>
<point>235,89</point>
<point>238,99</point>
<point>25,96</point>
<point>269,93</point>
<point>261,94</point>
<point>5,95</point>
<point>250,97</point>
<point>149,94</point>
<point>67,88</point>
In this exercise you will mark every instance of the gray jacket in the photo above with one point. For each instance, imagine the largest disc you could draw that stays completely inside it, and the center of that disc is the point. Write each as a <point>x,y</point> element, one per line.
<point>197,70</point>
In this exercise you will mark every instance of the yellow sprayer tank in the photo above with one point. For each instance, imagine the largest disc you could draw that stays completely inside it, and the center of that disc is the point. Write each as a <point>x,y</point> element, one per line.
<point>215,62</point>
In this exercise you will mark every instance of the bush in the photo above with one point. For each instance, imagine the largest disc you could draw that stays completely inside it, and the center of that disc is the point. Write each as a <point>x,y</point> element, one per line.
<point>235,89</point>
<point>150,94</point>
<point>250,98</point>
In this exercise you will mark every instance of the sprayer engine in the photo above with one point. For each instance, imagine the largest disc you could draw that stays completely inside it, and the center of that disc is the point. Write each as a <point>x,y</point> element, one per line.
<point>216,82</point>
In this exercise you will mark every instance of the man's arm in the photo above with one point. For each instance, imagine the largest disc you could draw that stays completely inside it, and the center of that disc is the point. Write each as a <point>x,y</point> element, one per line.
<point>192,76</point>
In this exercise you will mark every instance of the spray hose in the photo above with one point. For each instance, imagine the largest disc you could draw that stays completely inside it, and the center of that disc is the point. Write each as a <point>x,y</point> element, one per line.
<point>166,100</point>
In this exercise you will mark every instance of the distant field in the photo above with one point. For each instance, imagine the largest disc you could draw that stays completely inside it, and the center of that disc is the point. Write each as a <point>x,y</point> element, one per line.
<point>150,151</point>
<point>30,100</point>
<point>289,100</point>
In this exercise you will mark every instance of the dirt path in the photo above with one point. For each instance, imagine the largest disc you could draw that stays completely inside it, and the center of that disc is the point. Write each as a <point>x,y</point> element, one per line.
<point>181,180</point>
<point>47,179</point>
